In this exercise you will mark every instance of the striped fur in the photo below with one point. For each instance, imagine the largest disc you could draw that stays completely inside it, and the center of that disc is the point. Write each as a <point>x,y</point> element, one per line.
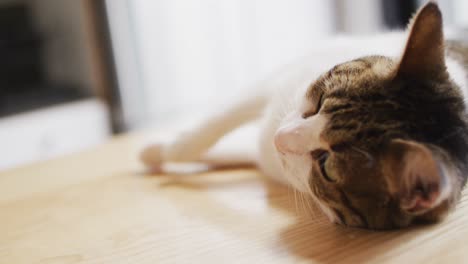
<point>369,102</point>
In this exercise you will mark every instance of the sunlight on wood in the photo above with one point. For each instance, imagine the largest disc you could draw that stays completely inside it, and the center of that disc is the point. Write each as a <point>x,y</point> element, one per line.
<point>101,207</point>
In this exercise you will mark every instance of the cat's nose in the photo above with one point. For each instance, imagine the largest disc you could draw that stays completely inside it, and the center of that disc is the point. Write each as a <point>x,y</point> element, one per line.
<point>288,140</point>
<point>299,136</point>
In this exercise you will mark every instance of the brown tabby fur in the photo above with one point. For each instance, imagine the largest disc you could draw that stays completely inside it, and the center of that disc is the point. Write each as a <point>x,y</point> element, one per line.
<point>372,101</point>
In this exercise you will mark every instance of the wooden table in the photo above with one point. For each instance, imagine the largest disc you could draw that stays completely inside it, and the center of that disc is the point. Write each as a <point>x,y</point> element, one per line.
<point>100,207</point>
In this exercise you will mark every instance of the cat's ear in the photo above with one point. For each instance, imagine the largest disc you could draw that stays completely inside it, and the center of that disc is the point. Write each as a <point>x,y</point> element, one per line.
<point>423,56</point>
<point>415,177</point>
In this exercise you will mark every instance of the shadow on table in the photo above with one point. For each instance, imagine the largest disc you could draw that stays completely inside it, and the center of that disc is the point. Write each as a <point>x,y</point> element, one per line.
<point>312,236</point>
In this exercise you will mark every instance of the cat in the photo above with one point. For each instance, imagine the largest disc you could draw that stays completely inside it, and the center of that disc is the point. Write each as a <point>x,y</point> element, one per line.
<point>374,130</point>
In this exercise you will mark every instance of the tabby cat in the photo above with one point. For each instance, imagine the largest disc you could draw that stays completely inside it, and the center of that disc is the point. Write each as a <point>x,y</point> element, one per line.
<point>377,141</point>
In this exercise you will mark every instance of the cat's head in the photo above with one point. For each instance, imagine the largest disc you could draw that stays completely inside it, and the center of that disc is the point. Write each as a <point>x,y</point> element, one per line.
<point>382,142</point>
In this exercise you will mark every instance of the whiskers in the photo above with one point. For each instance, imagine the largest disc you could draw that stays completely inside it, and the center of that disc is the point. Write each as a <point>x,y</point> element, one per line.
<point>305,207</point>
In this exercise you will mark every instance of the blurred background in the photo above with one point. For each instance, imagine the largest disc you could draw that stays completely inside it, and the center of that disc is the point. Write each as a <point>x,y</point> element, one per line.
<point>73,73</point>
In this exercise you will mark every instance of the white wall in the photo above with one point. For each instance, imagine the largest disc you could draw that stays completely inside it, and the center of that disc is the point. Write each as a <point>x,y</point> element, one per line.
<point>359,17</point>
<point>461,12</point>
<point>191,52</point>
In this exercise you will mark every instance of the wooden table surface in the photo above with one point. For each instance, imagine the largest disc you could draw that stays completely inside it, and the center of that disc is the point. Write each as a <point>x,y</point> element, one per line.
<point>100,207</point>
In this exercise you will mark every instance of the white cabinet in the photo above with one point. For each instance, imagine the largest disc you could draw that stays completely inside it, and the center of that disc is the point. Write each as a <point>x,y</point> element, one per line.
<point>52,131</point>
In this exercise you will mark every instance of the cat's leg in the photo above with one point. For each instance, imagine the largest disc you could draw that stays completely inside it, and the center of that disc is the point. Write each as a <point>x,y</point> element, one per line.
<point>193,144</point>
<point>239,148</point>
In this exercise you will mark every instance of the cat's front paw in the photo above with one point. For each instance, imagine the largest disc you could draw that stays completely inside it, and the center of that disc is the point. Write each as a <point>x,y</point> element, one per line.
<point>152,156</point>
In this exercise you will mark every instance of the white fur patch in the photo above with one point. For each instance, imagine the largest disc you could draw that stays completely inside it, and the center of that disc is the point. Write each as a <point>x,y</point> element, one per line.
<point>294,140</point>
<point>380,68</point>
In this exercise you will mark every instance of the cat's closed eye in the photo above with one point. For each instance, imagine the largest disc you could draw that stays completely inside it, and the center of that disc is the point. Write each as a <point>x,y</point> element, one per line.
<point>321,157</point>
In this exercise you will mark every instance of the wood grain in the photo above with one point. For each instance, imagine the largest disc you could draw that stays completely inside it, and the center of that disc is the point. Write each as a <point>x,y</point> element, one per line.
<point>100,207</point>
